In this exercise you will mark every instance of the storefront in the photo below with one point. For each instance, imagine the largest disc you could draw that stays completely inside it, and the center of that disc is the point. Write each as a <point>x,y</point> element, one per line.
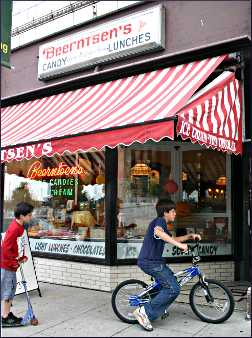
<point>94,160</point>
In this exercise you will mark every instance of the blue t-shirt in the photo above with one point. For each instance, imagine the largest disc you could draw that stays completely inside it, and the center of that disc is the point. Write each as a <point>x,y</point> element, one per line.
<point>153,247</point>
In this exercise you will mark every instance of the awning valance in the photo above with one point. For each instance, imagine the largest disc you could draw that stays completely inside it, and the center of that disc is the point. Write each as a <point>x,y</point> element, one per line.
<point>213,116</point>
<point>149,97</point>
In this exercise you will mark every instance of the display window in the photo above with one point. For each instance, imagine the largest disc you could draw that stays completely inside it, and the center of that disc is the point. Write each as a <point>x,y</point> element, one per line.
<point>195,178</point>
<point>67,193</point>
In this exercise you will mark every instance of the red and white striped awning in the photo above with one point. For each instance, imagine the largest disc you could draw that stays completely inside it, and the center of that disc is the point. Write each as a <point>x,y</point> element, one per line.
<point>213,116</point>
<point>37,127</point>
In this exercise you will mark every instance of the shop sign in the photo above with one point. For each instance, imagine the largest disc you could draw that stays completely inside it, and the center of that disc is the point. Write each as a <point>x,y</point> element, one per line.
<point>187,129</point>
<point>36,170</point>
<point>26,152</point>
<point>133,34</point>
<point>67,247</point>
<point>132,250</point>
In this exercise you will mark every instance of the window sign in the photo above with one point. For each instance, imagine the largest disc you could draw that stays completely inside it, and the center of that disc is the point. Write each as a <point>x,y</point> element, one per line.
<point>132,250</point>
<point>138,33</point>
<point>65,247</point>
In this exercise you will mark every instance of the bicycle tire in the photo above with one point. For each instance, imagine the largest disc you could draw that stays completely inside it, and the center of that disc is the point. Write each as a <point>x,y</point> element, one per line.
<point>115,294</point>
<point>202,316</point>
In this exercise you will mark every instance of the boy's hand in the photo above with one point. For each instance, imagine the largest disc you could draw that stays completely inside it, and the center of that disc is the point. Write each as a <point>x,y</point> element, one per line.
<point>183,247</point>
<point>22,259</point>
<point>195,237</point>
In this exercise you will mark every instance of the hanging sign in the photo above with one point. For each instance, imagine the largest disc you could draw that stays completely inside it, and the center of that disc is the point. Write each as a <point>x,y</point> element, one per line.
<point>137,33</point>
<point>6,20</point>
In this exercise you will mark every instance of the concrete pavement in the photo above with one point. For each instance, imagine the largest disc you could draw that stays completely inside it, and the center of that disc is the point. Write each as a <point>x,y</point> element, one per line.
<point>65,311</point>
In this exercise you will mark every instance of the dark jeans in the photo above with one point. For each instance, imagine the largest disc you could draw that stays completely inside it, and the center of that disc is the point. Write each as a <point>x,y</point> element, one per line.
<point>168,293</point>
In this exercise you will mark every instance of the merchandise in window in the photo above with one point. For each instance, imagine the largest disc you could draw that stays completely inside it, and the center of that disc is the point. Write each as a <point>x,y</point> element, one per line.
<point>67,193</point>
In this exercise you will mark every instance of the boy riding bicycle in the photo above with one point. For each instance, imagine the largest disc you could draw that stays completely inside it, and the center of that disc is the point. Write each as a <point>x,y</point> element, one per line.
<point>150,260</point>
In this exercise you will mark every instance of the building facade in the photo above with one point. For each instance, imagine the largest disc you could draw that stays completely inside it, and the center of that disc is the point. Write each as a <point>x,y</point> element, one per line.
<point>101,120</point>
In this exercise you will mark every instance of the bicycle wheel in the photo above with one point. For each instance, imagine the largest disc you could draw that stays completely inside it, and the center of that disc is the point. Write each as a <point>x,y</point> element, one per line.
<point>212,312</point>
<point>120,299</point>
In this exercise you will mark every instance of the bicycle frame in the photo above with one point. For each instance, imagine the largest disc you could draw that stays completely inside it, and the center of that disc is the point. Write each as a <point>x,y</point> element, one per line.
<point>186,275</point>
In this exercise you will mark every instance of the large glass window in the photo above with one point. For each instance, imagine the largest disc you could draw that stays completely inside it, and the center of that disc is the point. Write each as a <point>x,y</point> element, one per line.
<point>196,179</point>
<point>142,177</point>
<point>67,193</point>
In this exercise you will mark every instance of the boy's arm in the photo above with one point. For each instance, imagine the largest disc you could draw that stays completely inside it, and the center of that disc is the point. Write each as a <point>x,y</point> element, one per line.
<point>159,232</point>
<point>188,237</point>
<point>7,248</point>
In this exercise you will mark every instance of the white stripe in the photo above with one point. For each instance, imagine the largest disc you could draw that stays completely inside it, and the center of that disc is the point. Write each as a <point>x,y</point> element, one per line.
<point>213,119</point>
<point>191,116</point>
<point>233,126</point>
<point>220,113</point>
<point>205,116</point>
<point>238,108</point>
<point>227,107</point>
<point>199,113</point>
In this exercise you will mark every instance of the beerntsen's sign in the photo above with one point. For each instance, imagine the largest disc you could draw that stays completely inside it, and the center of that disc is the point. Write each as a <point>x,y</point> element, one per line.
<point>138,33</point>
<point>26,151</point>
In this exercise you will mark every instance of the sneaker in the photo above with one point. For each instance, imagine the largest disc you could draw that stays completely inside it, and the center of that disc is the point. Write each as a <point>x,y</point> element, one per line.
<point>11,315</point>
<point>11,322</point>
<point>142,318</point>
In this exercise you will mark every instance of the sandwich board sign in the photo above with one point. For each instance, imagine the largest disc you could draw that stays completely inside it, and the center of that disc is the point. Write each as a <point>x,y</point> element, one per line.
<point>28,267</point>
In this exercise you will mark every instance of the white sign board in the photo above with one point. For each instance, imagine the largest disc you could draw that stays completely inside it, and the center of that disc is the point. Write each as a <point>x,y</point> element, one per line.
<point>28,267</point>
<point>68,247</point>
<point>132,34</point>
<point>132,250</point>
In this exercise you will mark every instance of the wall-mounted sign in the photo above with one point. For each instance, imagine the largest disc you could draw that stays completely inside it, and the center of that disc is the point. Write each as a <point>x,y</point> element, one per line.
<point>36,170</point>
<point>132,34</point>
<point>26,152</point>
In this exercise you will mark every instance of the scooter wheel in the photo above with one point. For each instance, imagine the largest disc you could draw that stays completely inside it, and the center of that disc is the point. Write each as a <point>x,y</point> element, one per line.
<point>34,321</point>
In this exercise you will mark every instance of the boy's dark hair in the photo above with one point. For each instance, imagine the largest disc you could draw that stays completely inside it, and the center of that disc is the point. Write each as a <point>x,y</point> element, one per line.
<point>164,205</point>
<point>22,208</point>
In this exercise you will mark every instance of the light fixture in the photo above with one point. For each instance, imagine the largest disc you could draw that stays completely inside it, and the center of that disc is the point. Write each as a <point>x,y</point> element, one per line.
<point>222,180</point>
<point>140,169</point>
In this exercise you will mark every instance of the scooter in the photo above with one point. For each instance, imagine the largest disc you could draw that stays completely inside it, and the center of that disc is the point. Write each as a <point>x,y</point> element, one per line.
<point>29,316</point>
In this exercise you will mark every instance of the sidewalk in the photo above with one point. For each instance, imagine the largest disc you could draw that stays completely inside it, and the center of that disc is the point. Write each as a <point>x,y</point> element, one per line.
<point>65,311</point>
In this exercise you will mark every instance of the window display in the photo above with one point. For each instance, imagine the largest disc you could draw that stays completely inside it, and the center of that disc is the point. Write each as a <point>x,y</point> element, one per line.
<point>193,177</point>
<point>67,193</point>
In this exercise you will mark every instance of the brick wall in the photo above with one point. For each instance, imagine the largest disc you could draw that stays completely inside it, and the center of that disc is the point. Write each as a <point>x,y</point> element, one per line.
<point>100,277</point>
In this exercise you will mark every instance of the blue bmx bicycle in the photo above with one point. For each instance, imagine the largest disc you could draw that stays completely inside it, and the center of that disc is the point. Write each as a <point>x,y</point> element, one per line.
<point>210,300</point>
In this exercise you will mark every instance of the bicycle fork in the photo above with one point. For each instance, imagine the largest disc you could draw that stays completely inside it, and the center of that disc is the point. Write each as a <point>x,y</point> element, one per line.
<point>207,292</point>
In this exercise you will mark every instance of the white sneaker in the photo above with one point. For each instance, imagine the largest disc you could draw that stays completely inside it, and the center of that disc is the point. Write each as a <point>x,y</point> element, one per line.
<point>142,318</point>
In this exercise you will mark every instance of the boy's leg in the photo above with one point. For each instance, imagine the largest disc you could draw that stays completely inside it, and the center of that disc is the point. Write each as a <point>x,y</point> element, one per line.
<point>168,293</point>
<point>8,290</point>
<point>6,305</point>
